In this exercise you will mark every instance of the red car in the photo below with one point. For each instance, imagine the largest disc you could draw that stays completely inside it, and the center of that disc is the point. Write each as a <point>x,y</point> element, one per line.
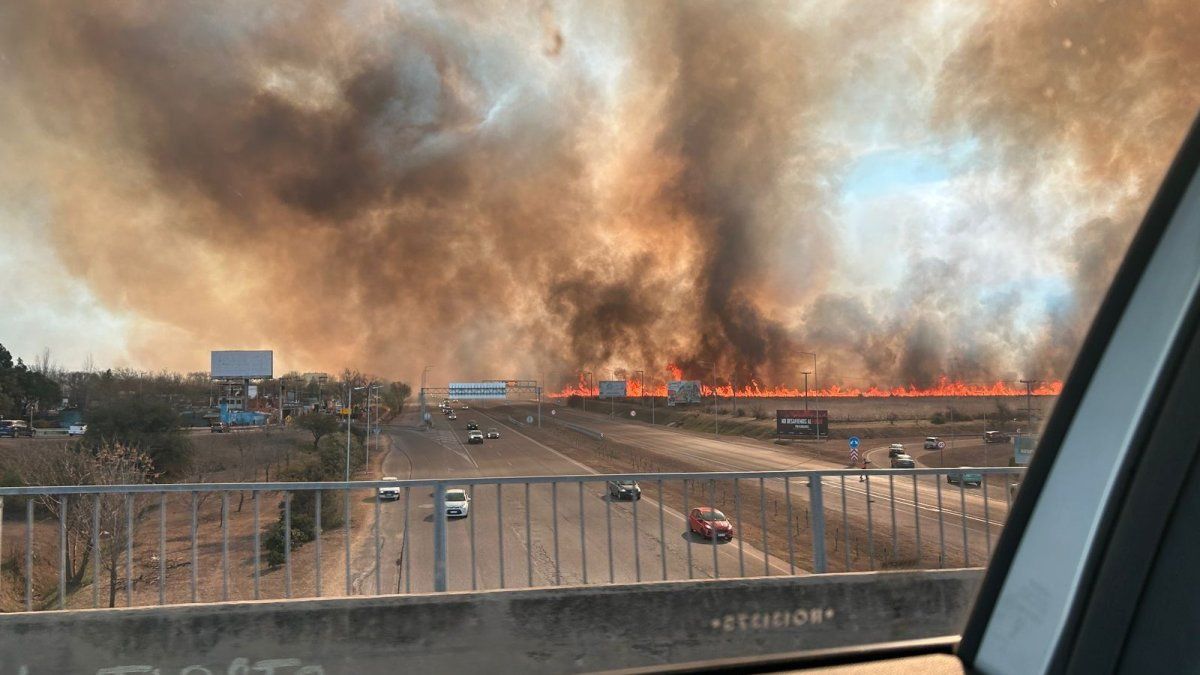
<point>707,521</point>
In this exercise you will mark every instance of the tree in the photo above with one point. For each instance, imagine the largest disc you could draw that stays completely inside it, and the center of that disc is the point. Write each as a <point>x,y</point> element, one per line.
<point>107,464</point>
<point>139,422</point>
<point>22,387</point>
<point>318,424</point>
<point>395,394</point>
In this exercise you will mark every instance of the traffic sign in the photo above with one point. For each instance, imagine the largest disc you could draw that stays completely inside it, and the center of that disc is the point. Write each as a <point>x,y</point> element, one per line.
<point>941,445</point>
<point>854,442</point>
<point>633,413</point>
<point>529,419</point>
<point>553,412</point>
<point>854,455</point>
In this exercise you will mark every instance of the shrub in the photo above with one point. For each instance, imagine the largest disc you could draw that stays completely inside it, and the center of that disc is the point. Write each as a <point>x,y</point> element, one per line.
<point>937,418</point>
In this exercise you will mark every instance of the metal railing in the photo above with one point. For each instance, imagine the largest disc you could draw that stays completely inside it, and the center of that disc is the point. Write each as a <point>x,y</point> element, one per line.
<point>571,530</point>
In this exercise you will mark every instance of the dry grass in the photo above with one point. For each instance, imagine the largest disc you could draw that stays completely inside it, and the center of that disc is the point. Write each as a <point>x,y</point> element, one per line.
<point>219,457</point>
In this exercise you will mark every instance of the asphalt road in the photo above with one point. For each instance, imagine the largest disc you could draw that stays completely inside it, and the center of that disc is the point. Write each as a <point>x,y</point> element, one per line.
<point>957,525</point>
<point>535,536</point>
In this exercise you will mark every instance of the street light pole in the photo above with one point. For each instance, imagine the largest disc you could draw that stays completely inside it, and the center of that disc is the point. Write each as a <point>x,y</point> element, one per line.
<point>349,411</point>
<point>423,372</point>
<point>587,378</point>
<point>806,373</point>
<point>716,423</point>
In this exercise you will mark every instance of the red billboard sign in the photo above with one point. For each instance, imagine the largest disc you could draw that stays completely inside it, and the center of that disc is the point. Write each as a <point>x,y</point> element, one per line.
<point>802,423</point>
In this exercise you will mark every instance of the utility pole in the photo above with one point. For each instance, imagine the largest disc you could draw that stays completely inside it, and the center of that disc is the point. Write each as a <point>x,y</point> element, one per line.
<point>1029,401</point>
<point>587,378</point>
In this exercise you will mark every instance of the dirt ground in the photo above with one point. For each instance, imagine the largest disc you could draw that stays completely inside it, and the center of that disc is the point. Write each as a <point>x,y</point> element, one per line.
<point>220,457</point>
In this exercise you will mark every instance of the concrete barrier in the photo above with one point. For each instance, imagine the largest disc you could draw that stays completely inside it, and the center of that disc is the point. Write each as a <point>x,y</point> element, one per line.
<point>553,630</point>
<point>55,433</point>
<point>590,433</point>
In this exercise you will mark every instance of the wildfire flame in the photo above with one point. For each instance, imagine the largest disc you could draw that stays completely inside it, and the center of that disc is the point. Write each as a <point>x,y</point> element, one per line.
<point>945,387</point>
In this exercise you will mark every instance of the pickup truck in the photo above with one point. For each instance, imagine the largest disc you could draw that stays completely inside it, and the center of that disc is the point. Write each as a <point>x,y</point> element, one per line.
<point>77,430</point>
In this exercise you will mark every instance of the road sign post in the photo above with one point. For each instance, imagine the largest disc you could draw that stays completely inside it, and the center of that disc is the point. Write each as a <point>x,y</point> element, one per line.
<point>854,442</point>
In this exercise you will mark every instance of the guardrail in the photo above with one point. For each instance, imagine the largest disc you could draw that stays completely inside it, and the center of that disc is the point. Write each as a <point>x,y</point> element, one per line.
<point>518,532</point>
<point>590,433</point>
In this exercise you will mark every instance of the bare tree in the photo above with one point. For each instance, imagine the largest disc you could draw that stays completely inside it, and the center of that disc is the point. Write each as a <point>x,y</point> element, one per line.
<point>119,514</point>
<point>108,464</point>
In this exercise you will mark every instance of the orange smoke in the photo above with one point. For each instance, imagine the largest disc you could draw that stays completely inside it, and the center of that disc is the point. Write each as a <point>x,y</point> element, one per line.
<point>945,387</point>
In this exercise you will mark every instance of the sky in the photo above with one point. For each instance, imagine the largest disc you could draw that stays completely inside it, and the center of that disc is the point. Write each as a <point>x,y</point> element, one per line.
<point>505,190</point>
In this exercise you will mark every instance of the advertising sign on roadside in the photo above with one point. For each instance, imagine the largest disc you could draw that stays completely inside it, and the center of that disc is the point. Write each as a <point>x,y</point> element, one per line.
<point>680,392</point>
<point>612,389</point>
<point>801,423</point>
<point>1023,446</point>
<point>242,364</point>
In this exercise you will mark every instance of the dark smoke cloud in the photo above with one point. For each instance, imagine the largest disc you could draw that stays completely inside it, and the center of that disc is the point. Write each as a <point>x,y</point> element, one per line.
<point>504,190</point>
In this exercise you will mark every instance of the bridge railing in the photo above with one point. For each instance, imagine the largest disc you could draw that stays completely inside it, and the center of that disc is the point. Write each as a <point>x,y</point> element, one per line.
<point>74,547</point>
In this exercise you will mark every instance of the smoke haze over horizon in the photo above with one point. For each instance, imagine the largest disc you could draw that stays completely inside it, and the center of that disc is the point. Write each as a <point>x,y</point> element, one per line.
<point>909,190</point>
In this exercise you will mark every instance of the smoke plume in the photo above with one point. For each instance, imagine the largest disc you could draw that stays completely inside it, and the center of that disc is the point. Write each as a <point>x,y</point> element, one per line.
<point>507,190</point>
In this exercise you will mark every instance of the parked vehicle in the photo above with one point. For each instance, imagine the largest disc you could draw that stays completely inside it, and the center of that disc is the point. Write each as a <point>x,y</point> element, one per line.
<point>7,429</point>
<point>624,489</point>
<point>458,504</point>
<point>77,430</point>
<point>389,492</point>
<point>965,476</point>
<point>219,428</point>
<point>709,523</point>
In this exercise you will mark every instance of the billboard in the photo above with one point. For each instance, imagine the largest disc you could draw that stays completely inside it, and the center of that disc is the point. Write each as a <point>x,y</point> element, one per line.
<point>801,423</point>
<point>243,364</point>
<point>680,392</point>
<point>612,389</point>
<point>1023,446</point>
<point>478,390</point>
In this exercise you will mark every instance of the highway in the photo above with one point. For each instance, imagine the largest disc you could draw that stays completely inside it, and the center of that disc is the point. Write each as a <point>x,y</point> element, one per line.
<point>965,522</point>
<point>517,539</point>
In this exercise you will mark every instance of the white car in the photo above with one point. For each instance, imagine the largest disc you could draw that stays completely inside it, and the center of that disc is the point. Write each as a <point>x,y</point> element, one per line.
<point>458,504</point>
<point>77,430</point>
<point>390,492</point>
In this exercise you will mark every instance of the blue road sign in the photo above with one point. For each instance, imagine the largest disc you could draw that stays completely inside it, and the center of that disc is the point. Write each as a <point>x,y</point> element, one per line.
<point>854,441</point>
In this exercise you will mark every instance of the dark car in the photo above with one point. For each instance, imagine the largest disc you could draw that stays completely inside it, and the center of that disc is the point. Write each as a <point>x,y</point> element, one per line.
<point>16,428</point>
<point>965,476</point>
<point>996,437</point>
<point>903,462</point>
<point>219,428</point>
<point>710,523</point>
<point>472,426</point>
<point>624,489</point>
